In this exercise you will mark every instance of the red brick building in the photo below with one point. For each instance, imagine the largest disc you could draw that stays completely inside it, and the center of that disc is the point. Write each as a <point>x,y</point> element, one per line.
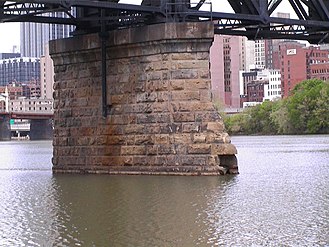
<point>320,71</point>
<point>13,91</point>
<point>227,59</point>
<point>299,63</point>
<point>256,91</point>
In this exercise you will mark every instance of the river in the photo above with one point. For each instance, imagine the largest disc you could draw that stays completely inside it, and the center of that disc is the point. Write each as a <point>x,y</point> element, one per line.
<point>280,198</point>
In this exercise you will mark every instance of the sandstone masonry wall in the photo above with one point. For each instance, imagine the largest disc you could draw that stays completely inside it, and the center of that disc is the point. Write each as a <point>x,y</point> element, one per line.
<point>161,118</point>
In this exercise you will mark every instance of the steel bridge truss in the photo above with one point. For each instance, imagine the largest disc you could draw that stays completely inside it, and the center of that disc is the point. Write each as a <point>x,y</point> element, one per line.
<point>252,18</point>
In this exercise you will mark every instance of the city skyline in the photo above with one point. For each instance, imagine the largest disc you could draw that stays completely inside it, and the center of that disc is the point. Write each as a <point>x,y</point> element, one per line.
<point>34,36</point>
<point>13,40</point>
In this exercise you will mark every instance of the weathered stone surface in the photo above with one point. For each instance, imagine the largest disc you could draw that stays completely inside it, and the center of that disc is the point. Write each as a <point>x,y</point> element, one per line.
<point>199,149</point>
<point>199,138</point>
<point>161,119</point>
<point>223,149</point>
<point>216,127</point>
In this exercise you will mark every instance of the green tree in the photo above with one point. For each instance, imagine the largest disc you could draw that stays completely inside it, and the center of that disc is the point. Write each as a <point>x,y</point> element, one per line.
<point>320,122</point>
<point>260,120</point>
<point>237,123</point>
<point>307,107</point>
<point>306,111</point>
<point>280,118</point>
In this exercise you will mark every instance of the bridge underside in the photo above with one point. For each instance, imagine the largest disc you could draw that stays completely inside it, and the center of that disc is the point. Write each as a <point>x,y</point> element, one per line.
<point>251,18</point>
<point>40,127</point>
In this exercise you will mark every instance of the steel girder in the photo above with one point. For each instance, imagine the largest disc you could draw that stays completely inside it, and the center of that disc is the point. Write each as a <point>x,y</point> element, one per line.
<point>252,18</point>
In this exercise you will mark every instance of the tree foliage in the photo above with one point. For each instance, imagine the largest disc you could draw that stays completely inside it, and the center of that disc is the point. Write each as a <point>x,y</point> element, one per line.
<point>306,111</point>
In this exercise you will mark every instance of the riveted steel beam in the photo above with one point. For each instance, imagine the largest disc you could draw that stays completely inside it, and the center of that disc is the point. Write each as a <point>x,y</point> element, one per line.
<point>252,16</point>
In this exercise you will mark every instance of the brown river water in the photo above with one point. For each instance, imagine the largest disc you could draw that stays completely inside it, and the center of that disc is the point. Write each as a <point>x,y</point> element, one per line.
<point>280,198</point>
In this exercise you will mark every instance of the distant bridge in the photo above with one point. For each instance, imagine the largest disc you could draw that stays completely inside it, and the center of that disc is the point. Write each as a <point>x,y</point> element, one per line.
<point>40,125</point>
<point>29,115</point>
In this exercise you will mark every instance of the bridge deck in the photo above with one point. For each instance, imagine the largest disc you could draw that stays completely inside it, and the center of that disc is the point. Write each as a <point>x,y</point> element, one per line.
<point>26,115</point>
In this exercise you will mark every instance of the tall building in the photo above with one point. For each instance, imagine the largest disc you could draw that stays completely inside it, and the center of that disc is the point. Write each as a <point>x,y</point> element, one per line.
<point>9,55</point>
<point>260,58</point>
<point>267,51</point>
<point>250,54</point>
<point>273,88</point>
<point>227,58</point>
<point>21,70</point>
<point>46,75</point>
<point>217,68</point>
<point>35,35</point>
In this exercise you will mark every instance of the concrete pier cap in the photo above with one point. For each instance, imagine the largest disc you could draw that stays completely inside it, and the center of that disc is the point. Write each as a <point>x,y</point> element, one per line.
<point>161,119</point>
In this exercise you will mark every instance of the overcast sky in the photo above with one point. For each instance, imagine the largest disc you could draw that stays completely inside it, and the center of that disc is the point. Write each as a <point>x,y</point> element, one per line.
<point>9,32</point>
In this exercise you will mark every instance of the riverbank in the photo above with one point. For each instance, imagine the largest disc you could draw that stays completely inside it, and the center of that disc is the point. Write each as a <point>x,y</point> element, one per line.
<point>306,111</point>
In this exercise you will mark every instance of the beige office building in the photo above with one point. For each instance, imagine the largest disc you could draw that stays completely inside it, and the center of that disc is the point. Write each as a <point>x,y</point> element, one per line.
<point>46,75</point>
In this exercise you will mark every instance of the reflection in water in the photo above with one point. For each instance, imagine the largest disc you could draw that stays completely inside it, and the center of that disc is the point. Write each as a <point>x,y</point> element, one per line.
<point>27,213</point>
<point>280,198</point>
<point>138,211</point>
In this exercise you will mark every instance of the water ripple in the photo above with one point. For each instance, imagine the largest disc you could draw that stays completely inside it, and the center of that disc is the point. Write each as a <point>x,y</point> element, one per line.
<point>279,199</point>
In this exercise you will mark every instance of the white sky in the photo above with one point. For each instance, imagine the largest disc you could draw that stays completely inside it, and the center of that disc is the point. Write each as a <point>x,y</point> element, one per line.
<point>9,32</point>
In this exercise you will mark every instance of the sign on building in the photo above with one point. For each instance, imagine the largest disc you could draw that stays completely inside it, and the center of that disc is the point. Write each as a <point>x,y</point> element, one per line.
<point>291,52</point>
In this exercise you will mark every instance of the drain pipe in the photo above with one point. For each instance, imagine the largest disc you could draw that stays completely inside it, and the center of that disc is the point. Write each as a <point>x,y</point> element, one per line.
<point>103,35</point>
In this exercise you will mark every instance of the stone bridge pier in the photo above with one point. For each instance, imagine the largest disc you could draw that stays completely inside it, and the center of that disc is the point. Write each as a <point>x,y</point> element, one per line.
<point>5,134</point>
<point>161,119</point>
<point>41,129</point>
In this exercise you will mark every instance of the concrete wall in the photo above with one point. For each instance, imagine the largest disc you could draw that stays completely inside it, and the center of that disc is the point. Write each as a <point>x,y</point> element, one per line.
<point>161,117</point>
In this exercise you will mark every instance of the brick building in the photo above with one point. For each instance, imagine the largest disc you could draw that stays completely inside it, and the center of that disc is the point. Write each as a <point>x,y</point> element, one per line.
<point>299,63</point>
<point>260,85</point>
<point>14,91</point>
<point>256,91</point>
<point>319,71</point>
<point>31,105</point>
<point>227,58</point>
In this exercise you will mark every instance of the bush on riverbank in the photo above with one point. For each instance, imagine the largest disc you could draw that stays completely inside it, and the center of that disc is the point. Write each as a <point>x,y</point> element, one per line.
<point>306,111</point>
